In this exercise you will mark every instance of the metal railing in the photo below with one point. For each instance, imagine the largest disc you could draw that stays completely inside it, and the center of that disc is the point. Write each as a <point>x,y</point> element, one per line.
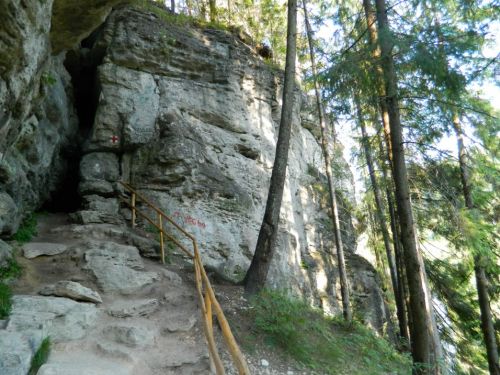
<point>206,294</point>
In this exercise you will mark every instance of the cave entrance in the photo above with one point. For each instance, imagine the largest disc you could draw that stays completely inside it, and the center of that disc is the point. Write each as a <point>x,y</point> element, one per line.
<point>81,63</point>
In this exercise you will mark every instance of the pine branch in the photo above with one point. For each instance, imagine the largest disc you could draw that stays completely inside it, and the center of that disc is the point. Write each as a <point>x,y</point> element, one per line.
<point>453,104</point>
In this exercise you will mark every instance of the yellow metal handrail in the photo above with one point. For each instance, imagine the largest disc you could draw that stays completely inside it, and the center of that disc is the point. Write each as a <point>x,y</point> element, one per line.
<point>203,285</point>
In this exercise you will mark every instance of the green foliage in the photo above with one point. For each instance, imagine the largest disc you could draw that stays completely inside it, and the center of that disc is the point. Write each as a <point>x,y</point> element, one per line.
<point>5,300</point>
<point>322,343</point>
<point>12,270</point>
<point>48,79</point>
<point>27,230</point>
<point>40,357</point>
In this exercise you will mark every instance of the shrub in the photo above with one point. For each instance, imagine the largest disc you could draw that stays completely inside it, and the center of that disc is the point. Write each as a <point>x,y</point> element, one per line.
<point>12,270</point>
<point>27,230</point>
<point>5,300</point>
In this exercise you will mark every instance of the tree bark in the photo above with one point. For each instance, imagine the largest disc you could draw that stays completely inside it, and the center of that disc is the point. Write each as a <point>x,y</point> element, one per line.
<point>481,281</point>
<point>212,10</point>
<point>344,285</point>
<point>172,6</point>
<point>405,321</point>
<point>424,347</point>
<point>257,273</point>
<point>379,208</point>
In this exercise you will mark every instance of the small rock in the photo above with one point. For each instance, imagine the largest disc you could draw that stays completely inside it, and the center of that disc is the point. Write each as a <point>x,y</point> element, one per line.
<point>181,323</point>
<point>133,308</point>
<point>35,249</point>
<point>71,290</point>
<point>130,336</point>
<point>264,363</point>
<point>174,278</point>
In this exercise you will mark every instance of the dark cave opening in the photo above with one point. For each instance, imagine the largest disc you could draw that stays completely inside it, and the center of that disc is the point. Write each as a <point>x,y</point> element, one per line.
<point>82,65</point>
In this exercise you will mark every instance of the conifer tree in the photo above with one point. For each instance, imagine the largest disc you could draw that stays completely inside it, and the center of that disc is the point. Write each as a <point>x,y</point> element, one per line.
<point>425,345</point>
<point>344,285</point>
<point>257,273</point>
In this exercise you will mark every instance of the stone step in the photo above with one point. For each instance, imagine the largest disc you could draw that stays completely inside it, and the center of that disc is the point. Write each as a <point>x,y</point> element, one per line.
<point>35,249</point>
<point>83,363</point>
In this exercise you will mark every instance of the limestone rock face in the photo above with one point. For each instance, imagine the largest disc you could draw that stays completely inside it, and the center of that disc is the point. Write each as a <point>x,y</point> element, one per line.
<point>37,121</point>
<point>190,118</point>
<point>5,253</point>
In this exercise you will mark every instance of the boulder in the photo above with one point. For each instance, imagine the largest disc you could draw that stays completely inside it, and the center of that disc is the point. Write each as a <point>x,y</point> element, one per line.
<point>17,350</point>
<point>9,217</point>
<point>35,249</point>
<point>95,217</point>
<point>117,267</point>
<point>95,187</point>
<point>97,203</point>
<point>100,166</point>
<point>60,318</point>
<point>73,290</point>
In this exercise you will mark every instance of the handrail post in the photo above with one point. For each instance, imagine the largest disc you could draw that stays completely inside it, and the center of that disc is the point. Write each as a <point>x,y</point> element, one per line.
<point>162,245</point>
<point>132,204</point>
<point>208,307</point>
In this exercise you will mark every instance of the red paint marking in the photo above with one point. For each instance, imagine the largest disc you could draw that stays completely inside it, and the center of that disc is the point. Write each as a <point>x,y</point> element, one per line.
<point>114,139</point>
<point>189,220</point>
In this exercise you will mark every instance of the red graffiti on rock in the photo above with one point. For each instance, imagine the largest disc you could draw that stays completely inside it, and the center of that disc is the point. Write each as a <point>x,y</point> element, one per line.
<point>188,220</point>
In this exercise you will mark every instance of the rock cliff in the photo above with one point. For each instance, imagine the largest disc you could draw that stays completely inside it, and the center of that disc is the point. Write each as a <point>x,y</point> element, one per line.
<point>187,115</point>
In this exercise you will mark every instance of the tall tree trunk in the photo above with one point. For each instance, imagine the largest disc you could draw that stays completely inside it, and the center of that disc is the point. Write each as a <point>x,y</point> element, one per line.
<point>344,286</point>
<point>481,281</point>
<point>425,349</point>
<point>213,10</point>
<point>405,319</point>
<point>172,6</point>
<point>257,273</point>
<point>371,21</point>
<point>379,208</point>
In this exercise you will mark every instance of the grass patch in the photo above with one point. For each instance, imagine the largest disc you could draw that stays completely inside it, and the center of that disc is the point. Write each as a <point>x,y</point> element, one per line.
<point>27,230</point>
<point>40,357</point>
<point>5,300</point>
<point>12,270</point>
<point>322,343</point>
